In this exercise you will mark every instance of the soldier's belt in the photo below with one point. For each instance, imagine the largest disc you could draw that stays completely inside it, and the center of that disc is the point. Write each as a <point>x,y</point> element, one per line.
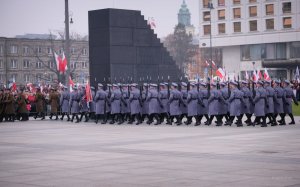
<point>288,97</point>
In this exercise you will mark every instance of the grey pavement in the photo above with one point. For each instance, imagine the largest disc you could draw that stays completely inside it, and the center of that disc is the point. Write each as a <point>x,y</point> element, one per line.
<point>55,153</point>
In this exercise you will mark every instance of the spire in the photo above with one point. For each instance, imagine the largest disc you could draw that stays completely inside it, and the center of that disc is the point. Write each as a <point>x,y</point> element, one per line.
<point>184,16</point>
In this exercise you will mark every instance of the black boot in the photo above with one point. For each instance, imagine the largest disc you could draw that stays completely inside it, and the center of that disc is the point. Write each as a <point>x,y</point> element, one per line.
<point>62,116</point>
<point>264,124</point>
<point>77,119</point>
<point>292,118</point>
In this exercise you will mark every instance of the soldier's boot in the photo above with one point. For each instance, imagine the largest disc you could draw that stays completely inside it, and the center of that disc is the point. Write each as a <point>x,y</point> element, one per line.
<point>178,120</point>
<point>62,116</point>
<point>169,121</point>
<point>97,118</point>
<point>50,116</point>
<point>120,119</point>
<point>270,119</point>
<point>283,119</point>
<point>264,124</point>
<point>188,121</point>
<point>86,117</point>
<point>73,116</point>
<point>150,119</point>
<point>219,120</point>
<point>131,119</point>
<point>210,120</point>
<point>292,118</point>
<point>36,115</point>
<point>77,119</point>
<point>68,117</point>
<point>43,116</point>
<point>157,118</point>
<point>81,116</point>
<point>248,121</point>
<point>207,118</point>
<point>239,121</point>
<point>112,119</point>
<point>198,120</point>
<point>56,116</point>
<point>274,123</point>
<point>139,119</point>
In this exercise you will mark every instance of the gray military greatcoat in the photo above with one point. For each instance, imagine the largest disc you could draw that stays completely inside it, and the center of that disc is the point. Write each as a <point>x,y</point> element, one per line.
<point>64,102</point>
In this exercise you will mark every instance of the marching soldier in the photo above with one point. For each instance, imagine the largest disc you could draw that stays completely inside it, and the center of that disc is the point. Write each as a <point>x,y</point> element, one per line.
<point>289,97</point>
<point>154,104</point>
<point>91,104</point>
<point>9,105</point>
<point>260,104</point>
<point>54,103</point>
<point>235,104</point>
<point>270,97</point>
<point>224,106</point>
<point>214,102</point>
<point>183,107</point>
<point>145,105</point>
<point>192,104</point>
<point>203,107</point>
<point>125,105</point>
<point>40,104</point>
<point>246,105</point>
<point>163,96</point>
<point>64,103</point>
<point>108,103</point>
<point>100,102</point>
<point>278,104</point>
<point>135,104</point>
<point>115,104</point>
<point>74,104</point>
<point>175,100</point>
<point>22,106</point>
<point>84,109</point>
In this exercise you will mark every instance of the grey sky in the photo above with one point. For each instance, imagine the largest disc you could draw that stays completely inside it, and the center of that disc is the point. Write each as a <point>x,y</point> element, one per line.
<point>40,16</point>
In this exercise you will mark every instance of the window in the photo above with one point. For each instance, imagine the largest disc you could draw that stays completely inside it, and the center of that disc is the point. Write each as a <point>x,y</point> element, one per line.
<point>73,51</point>
<point>38,65</point>
<point>221,2</point>
<point>270,24</point>
<point>2,78</point>
<point>39,77</point>
<point>295,50</point>
<point>205,3</point>
<point>51,77</point>
<point>237,13</point>
<point>49,50</point>
<point>25,50</point>
<point>270,9</point>
<point>274,51</point>
<point>13,77</point>
<point>253,25</point>
<point>1,64</point>
<point>25,63</point>
<point>38,49</point>
<point>251,52</point>
<point>73,65</point>
<point>287,22</point>
<point>286,7</point>
<point>281,51</point>
<point>27,78</point>
<point>13,49</point>
<point>50,64</point>
<point>84,65</point>
<point>253,11</point>
<point>206,16</point>
<point>221,14</point>
<point>13,64</point>
<point>84,51</point>
<point>237,27</point>
<point>252,1</point>
<point>221,27</point>
<point>206,29</point>
<point>1,49</point>
<point>235,2</point>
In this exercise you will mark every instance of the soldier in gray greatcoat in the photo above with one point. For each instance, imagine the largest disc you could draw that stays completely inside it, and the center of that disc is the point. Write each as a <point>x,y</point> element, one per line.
<point>115,100</point>
<point>91,104</point>
<point>125,104</point>
<point>108,103</point>
<point>214,104</point>
<point>224,112</point>
<point>270,97</point>
<point>163,96</point>
<point>74,104</point>
<point>64,103</point>
<point>183,107</point>
<point>84,109</point>
<point>135,101</point>
<point>175,101</point>
<point>203,107</point>
<point>145,104</point>
<point>289,97</point>
<point>246,105</point>
<point>235,104</point>
<point>100,100</point>
<point>260,101</point>
<point>192,104</point>
<point>154,104</point>
<point>278,104</point>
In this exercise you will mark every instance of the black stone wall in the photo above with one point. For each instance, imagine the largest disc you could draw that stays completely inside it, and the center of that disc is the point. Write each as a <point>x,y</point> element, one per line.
<point>122,45</point>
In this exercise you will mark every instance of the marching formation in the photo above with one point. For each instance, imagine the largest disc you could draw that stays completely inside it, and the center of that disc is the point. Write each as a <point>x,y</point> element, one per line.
<point>226,102</point>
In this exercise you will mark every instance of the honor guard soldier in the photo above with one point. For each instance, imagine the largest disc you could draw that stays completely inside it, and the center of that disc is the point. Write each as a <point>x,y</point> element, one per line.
<point>203,107</point>
<point>145,104</point>
<point>270,98</point>
<point>54,103</point>
<point>84,109</point>
<point>125,105</point>
<point>183,107</point>
<point>224,112</point>
<point>192,104</point>
<point>100,100</point>
<point>163,96</point>
<point>40,104</point>
<point>22,106</point>
<point>175,101</point>
<point>154,104</point>
<point>9,105</point>
<point>91,104</point>
<point>235,104</point>
<point>74,104</point>
<point>278,104</point>
<point>214,102</point>
<point>115,104</point>
<point>260,101</point>
<point>247,104</point>
<point>64,103</point>
<point>289,97</point>
<point>107,103</point>
<point>135,101</point>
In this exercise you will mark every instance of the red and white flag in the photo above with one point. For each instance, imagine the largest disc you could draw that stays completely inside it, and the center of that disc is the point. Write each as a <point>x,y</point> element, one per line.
<point>57,61</point>
<point>151,22</point>
<point>259,74</point>
<point>61,63</point>
<point>246,75</point>
<point>206,63</point>
<point>220,73</point>
<point>213,64</point>
<point>266,75</point>
<point>88,92</point>
<point>71,83</point>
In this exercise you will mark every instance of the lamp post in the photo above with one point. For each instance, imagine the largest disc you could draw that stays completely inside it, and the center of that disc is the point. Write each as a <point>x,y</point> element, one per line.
<point>210,6</point>
<point>67,46</point>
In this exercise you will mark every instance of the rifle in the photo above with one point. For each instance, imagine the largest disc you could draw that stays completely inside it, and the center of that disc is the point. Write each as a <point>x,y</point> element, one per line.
<point>198,86</point>
<point>208,87</point>
<point>218,83</point>
<point>158,83</point>
<point>239,87</point>
<point>168,86</point>
<point>253,90</point>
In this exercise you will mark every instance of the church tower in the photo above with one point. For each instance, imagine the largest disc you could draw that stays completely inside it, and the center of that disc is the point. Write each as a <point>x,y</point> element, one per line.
<point>184,17</point>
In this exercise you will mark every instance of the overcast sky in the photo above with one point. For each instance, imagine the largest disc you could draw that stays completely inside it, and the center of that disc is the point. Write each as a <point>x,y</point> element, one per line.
<point>18,17</point>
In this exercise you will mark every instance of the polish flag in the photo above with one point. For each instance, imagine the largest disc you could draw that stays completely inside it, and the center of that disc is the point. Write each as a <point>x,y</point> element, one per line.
<point>255,76</point>
<point>266,75</point>
<point>71,83</point>
<point>220,73</point>
<point>58,61</point>
<point>213,63</point>
<point>259,74</point>
<point>64,63</point>
<point>151,22</point>
<point>88,92</point>
<point>206,63</point>
<point>246,76</point>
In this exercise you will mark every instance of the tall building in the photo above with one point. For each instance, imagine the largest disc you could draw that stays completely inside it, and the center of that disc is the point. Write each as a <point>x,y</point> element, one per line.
<point>26,60</point>
<point>184,18</point>
<point>253,34</point>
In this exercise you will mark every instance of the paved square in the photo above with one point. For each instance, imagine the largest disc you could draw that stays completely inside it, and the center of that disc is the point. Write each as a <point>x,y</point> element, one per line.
<point>55,153</point>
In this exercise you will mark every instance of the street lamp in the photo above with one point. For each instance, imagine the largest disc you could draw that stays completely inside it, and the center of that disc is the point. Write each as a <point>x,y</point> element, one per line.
<point>210,6</point>
<point>67,47</point>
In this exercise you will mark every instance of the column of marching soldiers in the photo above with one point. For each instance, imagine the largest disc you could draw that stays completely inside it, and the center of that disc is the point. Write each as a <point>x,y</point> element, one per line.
<point>158,103</point>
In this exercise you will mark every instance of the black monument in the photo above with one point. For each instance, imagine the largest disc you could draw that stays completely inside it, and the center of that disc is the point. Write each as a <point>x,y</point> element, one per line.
<point>122,46</point>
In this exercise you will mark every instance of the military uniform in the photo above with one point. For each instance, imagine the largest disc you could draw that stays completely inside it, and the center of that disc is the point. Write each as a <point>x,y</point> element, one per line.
<point>192,104</point>
<point>9,106</point>
<point>175,101</point>
<point>289,97</point>
<point>163,96</point>
<point>203,107</point>
<point>154,104</point>
<point>260,104</point>
<point>54,103</point>
<point>2,105</point>
<point>40,104</point>
<point>115,104</point>
<point>183,107</point>
<point>214,104</point>
<point>278,104</point>
<point>64,103</point>
<point>235,104</point>
<point>135,104</point>
<point>125,105</point>
<point>74,104</point>
<point>100,100</point>
<point>247,105</point>
<point>84,109</point>
<point>270,99</point>
<point>22,106</point>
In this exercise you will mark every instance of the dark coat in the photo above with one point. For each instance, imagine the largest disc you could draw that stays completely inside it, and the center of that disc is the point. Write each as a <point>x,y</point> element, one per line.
<point>270,97</point>
<point>54,102</point>
<point>135,102</point>
<point>235,102</point>
<point>100,100</point>
<point>175,101</point>
<point>125,104</point>
<point>214,102</point>
<point>246,105</point>
<point>260,101</point>
<point>64,102</point>
<point>9,103</point>
<point>163,95</point>
<point>278,104</point>
<point>40,102</point>
<point>22,105</point>
<point>192,102</point>
<point>183,108</point>
<point>289,97</point>
<point>116,101</point>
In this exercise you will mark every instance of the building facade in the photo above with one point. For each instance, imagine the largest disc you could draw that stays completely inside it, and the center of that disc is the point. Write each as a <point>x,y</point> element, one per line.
<point>32,60</point>
<point>253,34</point>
